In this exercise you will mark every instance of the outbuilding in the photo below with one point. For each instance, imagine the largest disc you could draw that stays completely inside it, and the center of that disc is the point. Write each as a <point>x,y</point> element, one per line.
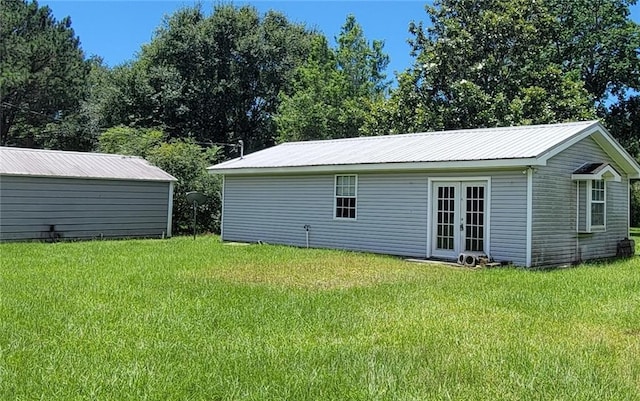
<point>529,195</point>
<point>49,195</point>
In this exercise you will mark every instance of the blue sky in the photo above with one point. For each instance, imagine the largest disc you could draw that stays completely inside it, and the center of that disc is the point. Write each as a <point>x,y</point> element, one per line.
<point>115,30</point>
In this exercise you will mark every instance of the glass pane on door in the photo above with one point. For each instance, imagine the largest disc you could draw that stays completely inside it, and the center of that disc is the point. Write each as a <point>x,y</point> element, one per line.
<point>445,217</point>
<point>474,218</point>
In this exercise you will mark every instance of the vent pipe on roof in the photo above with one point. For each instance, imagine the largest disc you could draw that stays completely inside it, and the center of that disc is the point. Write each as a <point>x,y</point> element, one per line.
<point>241,145</point>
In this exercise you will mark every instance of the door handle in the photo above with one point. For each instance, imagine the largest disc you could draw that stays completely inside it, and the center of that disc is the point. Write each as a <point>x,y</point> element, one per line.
<point>461,227</point>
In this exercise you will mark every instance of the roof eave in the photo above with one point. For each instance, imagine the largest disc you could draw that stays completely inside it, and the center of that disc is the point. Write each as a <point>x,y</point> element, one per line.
<point>380,167</point>
<point>171,179</point>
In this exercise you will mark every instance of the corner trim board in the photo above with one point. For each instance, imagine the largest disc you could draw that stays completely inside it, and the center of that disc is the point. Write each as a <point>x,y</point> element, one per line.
<point>528,256</point>
<point>170,209</point>
<point>429,215</point>
<point>224,182</point>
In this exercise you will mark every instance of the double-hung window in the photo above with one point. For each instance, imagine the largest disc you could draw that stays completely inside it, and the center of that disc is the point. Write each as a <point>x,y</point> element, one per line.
<point>597,202</point>
<point>591,199</point>
<point>346,188</point>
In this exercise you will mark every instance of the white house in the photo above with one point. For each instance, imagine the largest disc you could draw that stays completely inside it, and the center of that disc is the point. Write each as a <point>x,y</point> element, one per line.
<point>529,195</point>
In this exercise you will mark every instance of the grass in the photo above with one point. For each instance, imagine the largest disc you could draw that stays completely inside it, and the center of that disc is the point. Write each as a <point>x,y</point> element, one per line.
<point>198,320</point>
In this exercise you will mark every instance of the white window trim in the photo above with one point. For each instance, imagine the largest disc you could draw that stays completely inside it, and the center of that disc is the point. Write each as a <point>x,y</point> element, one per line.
<point>335,197</point>
<point>591,228</point>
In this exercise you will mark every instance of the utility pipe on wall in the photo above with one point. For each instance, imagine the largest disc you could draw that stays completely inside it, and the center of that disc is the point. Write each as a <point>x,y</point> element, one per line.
<point>307,227</point>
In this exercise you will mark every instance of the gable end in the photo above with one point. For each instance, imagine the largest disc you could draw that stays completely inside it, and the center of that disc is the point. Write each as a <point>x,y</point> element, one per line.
<point>608,144</point>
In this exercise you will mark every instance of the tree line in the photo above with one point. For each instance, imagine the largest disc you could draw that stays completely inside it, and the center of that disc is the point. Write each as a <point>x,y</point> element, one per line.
<point>210,79</point>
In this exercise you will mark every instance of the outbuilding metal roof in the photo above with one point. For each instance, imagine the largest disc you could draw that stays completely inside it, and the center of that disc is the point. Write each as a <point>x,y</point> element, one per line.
<point>55,163</point>
<point>485,147</point>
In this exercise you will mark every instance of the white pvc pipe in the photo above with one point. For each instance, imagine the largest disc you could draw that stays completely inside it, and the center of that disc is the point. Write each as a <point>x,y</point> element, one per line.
<point>306,230</point>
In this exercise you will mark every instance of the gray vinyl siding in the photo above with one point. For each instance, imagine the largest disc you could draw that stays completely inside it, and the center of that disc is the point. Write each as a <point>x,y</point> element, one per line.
<point>81,208</point>
<point>555,239</point>
<point>582,206</point>
<point>509,217</point>
<point>392,212</point>
<point>604,244</point>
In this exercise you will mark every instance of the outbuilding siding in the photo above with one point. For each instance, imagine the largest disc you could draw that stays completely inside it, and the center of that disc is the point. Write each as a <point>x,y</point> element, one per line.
<point>82,208</point>
<point>392,212</point>
<point>555,238</point>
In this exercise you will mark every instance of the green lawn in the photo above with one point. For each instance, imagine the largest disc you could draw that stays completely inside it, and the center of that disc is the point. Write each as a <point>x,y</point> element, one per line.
<point>197,320</point>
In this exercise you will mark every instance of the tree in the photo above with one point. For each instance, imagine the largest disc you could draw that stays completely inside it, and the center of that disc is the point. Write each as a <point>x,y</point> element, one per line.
<point>405,110</point>
<point>188,162</point>
<point>42,72</point>
<point>334,90</point>
<point>363,64</point>
<point>311,110</point>
<point>497,62</point>
<point>130,141</point>
<point>623,120</point>
<point>211,78</point>
<point>599,41</point>
<point>80,129</point>
<point>489,63</point>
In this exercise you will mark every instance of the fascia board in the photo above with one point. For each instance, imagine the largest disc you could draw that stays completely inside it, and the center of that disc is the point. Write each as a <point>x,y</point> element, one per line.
<point>169,178</point>
<point>381,167</point>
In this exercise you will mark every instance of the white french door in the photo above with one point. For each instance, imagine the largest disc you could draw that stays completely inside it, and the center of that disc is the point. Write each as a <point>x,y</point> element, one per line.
<point>459,217</point>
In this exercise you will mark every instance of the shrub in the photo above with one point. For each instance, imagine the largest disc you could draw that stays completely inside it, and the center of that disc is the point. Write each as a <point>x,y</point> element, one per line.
<point>188,162</point>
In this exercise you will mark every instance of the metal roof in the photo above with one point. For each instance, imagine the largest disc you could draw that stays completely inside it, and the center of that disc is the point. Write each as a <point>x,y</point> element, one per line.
<point>56,163</point>
<point>492,146</point>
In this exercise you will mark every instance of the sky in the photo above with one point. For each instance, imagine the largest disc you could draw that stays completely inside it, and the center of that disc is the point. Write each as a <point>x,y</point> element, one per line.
<point>116,29</point>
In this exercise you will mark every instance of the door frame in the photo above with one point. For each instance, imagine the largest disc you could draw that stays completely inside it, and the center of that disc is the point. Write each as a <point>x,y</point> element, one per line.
<point>431,193</point>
